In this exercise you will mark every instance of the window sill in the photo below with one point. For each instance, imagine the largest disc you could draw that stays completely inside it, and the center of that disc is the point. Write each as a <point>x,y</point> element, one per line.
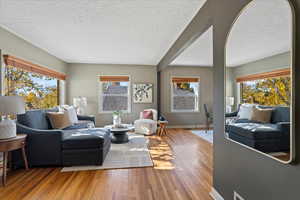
<point>187,112</point>
<point>111,112</point>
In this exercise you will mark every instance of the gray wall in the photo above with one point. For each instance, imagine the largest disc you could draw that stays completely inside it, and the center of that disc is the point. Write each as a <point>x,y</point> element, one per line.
<point>206,88</point>
<point>236,168</point>
<point>279,61</point>
<point>83,81</point>
<point>15,46</point>
<point>253,175</point>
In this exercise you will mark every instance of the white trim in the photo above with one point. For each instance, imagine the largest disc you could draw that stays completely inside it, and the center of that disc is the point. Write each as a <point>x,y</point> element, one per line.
<point>215,194</point>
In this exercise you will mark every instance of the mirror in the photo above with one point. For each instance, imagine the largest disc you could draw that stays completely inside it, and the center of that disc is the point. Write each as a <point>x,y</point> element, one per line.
<point>259,81</point>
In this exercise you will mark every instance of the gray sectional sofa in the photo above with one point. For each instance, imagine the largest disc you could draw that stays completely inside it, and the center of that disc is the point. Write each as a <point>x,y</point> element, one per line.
<point>54,147</point>
<point>265,137</point>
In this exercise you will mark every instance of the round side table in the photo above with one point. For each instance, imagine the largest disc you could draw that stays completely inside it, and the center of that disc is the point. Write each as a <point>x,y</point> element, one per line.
<point>162,128</point>
<point>11,144</point>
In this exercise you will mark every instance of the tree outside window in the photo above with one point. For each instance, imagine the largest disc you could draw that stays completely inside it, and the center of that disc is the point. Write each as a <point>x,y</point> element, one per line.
<point>39,91</point>
<point>269,91</point>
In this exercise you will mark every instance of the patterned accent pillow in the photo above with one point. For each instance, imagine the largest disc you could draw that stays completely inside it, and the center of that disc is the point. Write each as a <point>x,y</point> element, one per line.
<point>147,114</point>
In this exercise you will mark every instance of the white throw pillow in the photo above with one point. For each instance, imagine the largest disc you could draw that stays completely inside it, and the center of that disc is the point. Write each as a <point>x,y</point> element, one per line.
<point>72,114</point>
<point>245,111</point>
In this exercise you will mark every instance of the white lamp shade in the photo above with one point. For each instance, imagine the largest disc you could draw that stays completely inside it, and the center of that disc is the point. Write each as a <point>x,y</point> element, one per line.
<point>80,102</point>
<point>229,101</point>
<point>10,105</point>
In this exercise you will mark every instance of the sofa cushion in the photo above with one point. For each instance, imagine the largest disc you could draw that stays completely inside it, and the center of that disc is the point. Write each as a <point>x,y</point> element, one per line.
<point>147,114</point>
<point>244,121</point>
<point>255,130</point>
<point>261,115</point>
<point>82,124</point>
<point>281,114</point>
<point>34,119</point>
<point>85,139</point>
<point>245,111</point>
<point>59,120</point>
<point>72,114</point>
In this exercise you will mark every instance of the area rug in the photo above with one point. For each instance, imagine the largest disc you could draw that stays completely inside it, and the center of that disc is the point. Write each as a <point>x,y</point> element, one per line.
<point>206,135</point>
<point>133,154</point>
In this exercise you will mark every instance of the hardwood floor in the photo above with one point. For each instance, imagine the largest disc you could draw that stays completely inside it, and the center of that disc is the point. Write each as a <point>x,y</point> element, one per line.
<point>183,170</point>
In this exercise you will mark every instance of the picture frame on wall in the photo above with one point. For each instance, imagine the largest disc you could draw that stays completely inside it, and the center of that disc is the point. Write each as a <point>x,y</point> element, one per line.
<point>142,93</point>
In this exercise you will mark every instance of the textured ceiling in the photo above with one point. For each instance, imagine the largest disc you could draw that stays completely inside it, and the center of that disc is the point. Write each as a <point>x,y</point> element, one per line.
<point>263,30</point>
<point>100,31</point>
<point>200,53</point>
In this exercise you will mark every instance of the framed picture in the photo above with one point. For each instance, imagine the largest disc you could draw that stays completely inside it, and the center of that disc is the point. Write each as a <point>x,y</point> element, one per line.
<point>142,92</point>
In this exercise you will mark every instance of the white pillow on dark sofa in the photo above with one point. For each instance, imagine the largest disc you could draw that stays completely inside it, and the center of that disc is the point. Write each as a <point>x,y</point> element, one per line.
<point>245,111</point>
<point>72,114</point>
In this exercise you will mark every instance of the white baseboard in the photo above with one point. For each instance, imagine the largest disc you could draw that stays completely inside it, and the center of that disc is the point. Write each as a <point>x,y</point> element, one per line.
<point>187,126</point>
<point>215,194</point>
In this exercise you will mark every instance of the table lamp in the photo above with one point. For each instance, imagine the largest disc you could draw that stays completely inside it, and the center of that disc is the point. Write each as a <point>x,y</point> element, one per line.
<point>80,104</point>
<point>229,103</point>
<point>10,105</point>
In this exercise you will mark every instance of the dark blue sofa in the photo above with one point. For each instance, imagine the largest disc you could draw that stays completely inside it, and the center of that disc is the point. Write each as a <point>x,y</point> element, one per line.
<point>45,146</point>
<point>265,137</point>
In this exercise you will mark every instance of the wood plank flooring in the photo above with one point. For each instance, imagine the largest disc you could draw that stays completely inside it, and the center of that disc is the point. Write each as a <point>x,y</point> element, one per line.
<point>182,170</point>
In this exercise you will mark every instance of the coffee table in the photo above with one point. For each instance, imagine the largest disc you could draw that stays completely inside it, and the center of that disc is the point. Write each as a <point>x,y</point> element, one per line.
<point>119,135</point>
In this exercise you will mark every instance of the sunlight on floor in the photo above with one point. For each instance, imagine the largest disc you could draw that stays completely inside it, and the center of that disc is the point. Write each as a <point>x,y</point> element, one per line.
<point>161,154</point>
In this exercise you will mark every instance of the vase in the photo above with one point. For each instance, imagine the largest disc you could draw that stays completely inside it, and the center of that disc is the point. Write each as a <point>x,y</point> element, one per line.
<point>116,120</point>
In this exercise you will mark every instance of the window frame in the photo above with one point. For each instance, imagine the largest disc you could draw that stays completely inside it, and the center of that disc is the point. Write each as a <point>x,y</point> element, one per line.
<point>197,97</point>
<point>100,91</point>
<point>5,68</point>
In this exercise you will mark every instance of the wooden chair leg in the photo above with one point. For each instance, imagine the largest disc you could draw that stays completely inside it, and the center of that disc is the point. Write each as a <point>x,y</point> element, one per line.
<point>165,131</point>
<point>207,125</point>
<point>24,158</point>
<point>4,168</point>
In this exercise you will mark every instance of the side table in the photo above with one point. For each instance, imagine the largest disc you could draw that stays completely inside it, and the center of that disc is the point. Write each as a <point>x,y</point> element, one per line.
<point>11,144</point>
<point>162,128</point>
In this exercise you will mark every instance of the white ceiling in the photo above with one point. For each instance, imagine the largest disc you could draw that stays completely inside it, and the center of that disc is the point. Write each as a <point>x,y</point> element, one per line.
<point>263,30</point>
<point>199,53</point>
<point>100,31</point>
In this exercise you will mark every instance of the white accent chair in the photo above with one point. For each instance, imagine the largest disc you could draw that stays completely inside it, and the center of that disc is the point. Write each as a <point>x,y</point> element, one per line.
<point>146,126</point>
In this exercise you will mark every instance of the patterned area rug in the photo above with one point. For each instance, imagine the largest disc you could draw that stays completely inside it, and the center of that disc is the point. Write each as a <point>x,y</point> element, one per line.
<point>206,135</point>
<point>133,154</point>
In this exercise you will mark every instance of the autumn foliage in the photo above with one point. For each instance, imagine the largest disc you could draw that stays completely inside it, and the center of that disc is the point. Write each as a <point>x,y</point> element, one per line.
<point>269,92</point>
<point>39,91</point>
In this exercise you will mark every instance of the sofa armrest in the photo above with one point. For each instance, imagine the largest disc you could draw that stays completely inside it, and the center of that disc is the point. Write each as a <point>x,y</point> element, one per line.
<point>27,130</point>
<point>232,114</point>
<point>43,147</point>
<point>284,127</point>
<point>87,117</point>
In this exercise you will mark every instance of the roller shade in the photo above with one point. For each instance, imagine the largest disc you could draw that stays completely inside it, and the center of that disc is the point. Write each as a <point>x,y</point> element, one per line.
<point>31,67</point>
<point>272,74</point>
<point>184,80</point>
<point>114,78</point>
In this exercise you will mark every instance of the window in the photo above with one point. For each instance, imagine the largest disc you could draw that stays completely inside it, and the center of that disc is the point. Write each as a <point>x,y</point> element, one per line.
<point>114,94</point>
<point>268,89</point>
<point>40,90</point>
<point>185,94</point>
